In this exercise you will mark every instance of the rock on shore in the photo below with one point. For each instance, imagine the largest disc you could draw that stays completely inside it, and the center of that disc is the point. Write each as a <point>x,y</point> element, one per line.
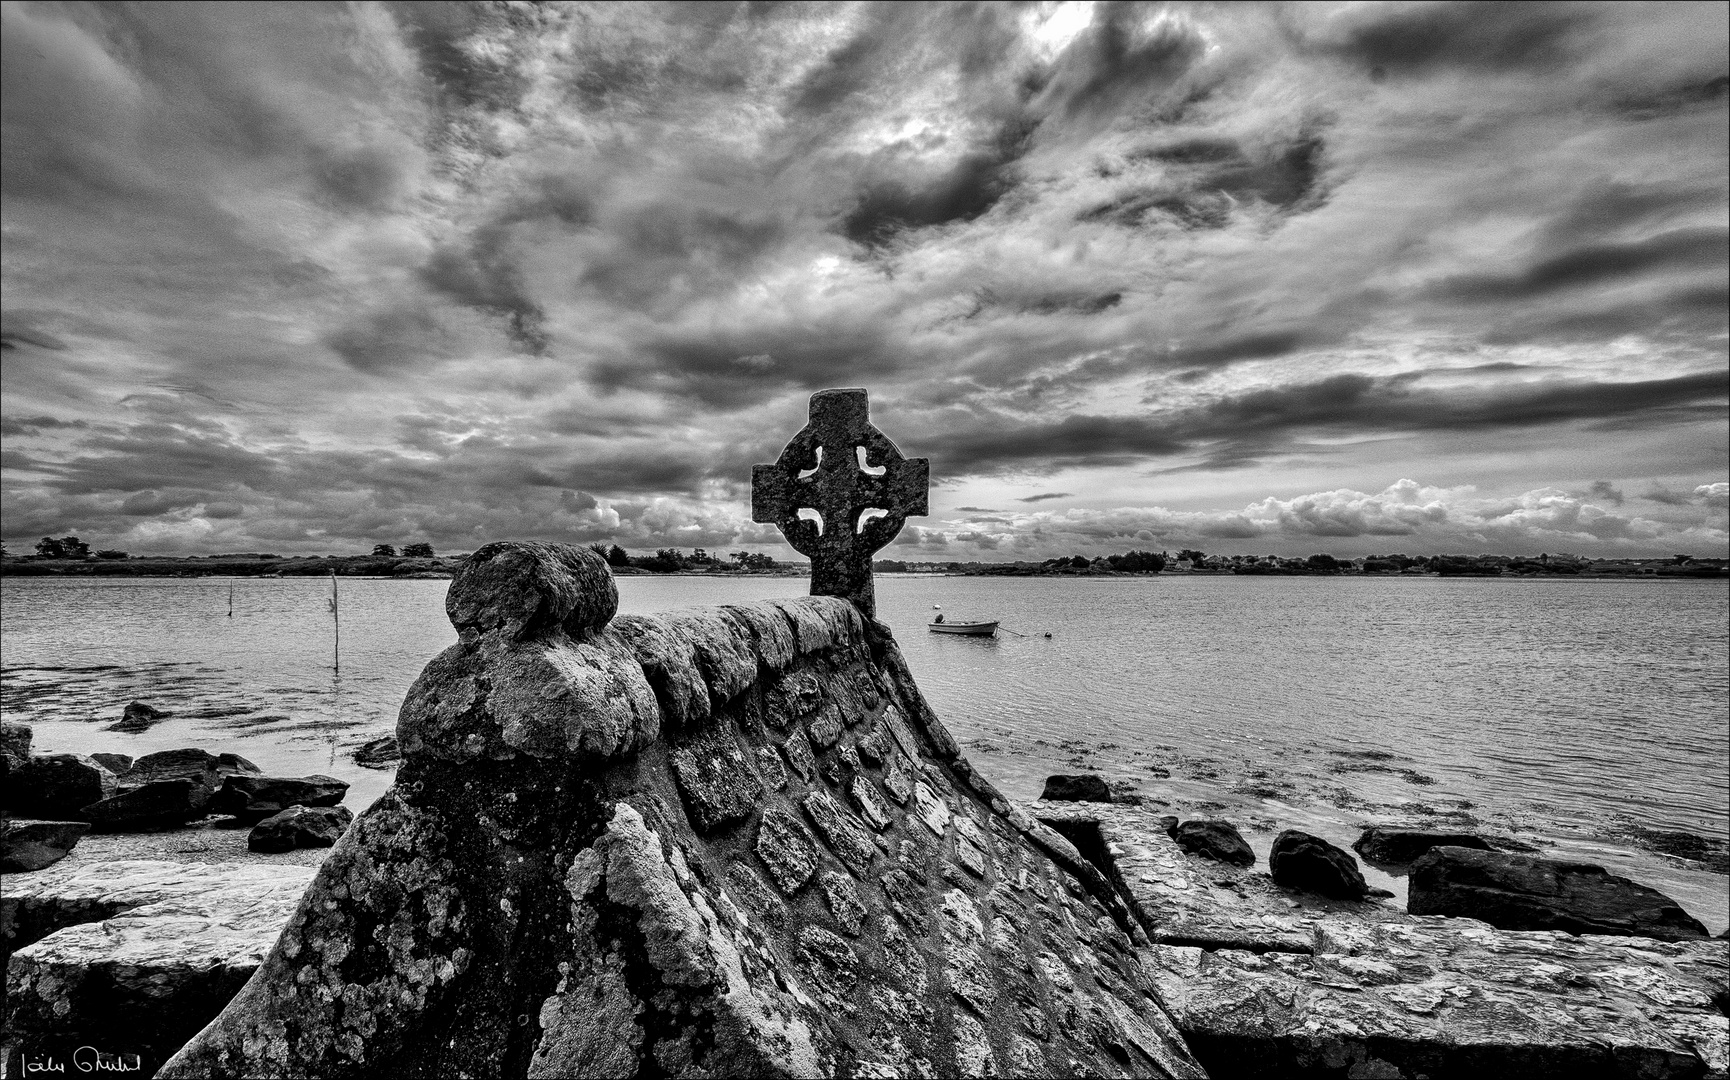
<point>299,827</point>
<point>252,798</point>
<point>27,845</point>
<point>58,786</point>
<point>1519,892</point>
<point>1217,840</point>
<point>135,957</point>
<point>1392,846</point>
<point>1310,864</point>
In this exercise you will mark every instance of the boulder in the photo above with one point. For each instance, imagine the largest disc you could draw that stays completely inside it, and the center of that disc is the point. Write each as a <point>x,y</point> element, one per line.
<point>1310,864</point>
<point>233,765</point>
<point>1520,892</point>
<point>254,798</point>
<point>27,844</point>
<point>118,764</point>
<point>299,827</point>
<point>1086,787</point>
<point>1400,847</point>
<point>15,740</point>
<point>194,765</point>
<point>58,786</point>
<point>137,717</point>
<point>175,943</point>
<point>159,804</point>
<point>379,753</point>
<point>1217,840</point>
<point>14,748</point>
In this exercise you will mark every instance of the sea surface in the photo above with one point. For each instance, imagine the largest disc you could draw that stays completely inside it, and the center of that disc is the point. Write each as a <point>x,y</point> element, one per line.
<point>1575,716</point>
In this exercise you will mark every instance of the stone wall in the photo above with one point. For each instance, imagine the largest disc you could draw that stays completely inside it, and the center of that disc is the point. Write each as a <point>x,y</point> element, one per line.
<point>732,841</point>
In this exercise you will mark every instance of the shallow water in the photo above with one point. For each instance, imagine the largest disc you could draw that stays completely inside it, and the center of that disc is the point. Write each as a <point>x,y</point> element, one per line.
<point>1568,714</point>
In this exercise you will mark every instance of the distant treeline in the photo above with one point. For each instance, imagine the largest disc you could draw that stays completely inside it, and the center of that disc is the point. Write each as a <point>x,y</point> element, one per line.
<point>241,564</point>
<point>70,556</point>
<point>1198,562</point>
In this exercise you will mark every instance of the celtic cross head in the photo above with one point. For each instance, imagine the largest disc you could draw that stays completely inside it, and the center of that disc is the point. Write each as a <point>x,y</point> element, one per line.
<point>839,492</point>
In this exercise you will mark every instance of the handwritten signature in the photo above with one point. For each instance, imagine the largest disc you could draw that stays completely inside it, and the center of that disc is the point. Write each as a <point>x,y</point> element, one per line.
<point>85,1059</point>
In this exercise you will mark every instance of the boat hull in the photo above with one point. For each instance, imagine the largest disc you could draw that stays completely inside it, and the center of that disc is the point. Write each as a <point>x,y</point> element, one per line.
<point>970,629</point>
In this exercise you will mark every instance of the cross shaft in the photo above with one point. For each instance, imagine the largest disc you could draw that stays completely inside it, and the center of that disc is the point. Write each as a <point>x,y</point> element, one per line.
<point>837,469</point>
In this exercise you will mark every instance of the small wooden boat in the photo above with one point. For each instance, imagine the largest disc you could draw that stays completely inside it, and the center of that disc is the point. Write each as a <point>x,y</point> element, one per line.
<point>972,629</point>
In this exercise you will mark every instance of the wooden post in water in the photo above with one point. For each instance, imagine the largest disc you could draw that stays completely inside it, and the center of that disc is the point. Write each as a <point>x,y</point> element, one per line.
<point>336,626</point>
<point>231,599</point>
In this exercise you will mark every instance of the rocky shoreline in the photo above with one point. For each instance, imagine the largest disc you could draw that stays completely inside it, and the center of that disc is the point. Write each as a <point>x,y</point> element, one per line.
<point>1291,971</point>
<point>738,841</point>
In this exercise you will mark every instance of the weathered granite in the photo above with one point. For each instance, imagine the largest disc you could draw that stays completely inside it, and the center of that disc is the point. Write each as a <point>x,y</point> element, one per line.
<point>252,798</point>
<point>1452,997</point>
<point>118,764</point>
<point>199,766</point>
<point>27,845</point>
<point>1520,892</point>
<point>58,786</point>
<point>159,804</point>
<point>1308,863</point>
<point>1394,846</point>
<point>143,980</point>
<point>543,894</point>
<point>1217,840</point>
<point>379,753</point>
<point>36,905</point>
<point>1265,981</point>
<point>1182,900</point>
<point>299,827</point>
<point>1080,787</point>
<point>15,740</point>
<point>138,716</point>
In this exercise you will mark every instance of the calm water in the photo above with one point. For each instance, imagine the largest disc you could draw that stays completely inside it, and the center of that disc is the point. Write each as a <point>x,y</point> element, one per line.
<point>1569,714</point>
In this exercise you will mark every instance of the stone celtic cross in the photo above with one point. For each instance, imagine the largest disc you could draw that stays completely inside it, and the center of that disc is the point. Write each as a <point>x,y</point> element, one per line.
<point>840,491</point>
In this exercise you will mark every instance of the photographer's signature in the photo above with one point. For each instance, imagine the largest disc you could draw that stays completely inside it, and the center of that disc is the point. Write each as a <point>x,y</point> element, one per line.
<point>85,1059</point>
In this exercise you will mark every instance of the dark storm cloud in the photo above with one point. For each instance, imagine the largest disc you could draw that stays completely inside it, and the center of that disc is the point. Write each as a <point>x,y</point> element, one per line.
<point>1678,249</point>
<point>1046,495</point>
<point>1414,38</point>
<point>32,425</point>
<point>466,77</point>
<point>968,189</point>
<point>1252,426</point>
<point>12,336</point>
<point>1660,494</point>
<point>395,339</point>
<point>1603,489</point>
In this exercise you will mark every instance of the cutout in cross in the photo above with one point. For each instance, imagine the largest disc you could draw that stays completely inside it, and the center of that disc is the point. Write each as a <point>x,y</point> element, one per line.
<point>840,491</point>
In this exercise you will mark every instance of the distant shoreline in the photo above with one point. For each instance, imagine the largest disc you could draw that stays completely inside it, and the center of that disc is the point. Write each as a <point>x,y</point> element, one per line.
<point>441,567</point>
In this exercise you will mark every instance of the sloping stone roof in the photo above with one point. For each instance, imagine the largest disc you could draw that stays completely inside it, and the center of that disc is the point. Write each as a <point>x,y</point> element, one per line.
<point>724,842</point>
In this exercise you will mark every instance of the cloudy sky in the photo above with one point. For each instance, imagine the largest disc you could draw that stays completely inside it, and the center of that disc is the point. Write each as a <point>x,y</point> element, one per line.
<point>1346,278</point>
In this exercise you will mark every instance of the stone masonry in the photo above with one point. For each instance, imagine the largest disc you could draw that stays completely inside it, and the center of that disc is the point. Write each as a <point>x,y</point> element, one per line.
<point>722,842</point>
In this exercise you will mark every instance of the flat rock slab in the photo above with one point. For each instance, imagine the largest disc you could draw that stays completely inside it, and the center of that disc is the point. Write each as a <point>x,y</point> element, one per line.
<point>36,905</point>
<point>147,979</point>
<point>1443,997</point>
<point>1189,900</point>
